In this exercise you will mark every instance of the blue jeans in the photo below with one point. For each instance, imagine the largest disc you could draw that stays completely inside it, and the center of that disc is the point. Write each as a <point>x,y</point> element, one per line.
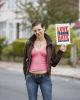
<point>45,84</point>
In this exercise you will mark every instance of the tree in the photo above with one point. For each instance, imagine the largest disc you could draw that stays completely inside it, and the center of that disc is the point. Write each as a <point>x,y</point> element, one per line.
<point>51,11</point>
<point>60,11</point>
<point>33,11</point>
<point>30,12</point>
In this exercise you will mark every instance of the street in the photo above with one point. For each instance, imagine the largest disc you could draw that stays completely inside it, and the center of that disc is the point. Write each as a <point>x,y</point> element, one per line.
<point>12,87</point>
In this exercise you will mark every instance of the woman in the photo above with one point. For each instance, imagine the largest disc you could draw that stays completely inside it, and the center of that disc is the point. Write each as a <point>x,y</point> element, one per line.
<point>39,56</point>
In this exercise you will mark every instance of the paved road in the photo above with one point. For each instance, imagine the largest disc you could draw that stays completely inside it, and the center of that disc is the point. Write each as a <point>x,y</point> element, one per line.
<point>12,87</point>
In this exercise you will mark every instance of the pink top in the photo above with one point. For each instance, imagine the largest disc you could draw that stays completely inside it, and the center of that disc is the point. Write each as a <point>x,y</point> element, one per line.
<point>38,60</point>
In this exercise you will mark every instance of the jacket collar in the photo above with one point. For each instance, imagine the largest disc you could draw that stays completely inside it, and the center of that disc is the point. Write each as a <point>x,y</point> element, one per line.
<point>33,38</point>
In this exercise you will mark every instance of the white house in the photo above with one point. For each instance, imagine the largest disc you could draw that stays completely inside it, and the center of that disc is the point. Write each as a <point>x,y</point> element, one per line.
<point>10,21</point>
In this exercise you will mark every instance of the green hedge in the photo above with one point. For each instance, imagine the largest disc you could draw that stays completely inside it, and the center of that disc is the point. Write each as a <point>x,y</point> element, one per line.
<point>18,47</point>
<point>2,39</point>
<point>76,41</point>
<point>7,52</point>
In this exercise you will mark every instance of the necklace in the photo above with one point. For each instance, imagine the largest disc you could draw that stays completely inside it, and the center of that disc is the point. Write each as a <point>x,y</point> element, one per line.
<point>40,44</point>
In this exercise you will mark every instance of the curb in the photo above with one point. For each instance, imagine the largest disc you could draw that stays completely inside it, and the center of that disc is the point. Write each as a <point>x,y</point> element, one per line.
<point>66,76</point>
<point>67,72</point>
<point>52,74</point>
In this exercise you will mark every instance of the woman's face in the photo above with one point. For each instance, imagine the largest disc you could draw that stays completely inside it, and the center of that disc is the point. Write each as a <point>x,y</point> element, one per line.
<point>39,31</point>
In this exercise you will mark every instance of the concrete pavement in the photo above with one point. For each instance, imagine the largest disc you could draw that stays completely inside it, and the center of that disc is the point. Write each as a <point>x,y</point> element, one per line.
<point>63,71</point>
<point>67,71</point>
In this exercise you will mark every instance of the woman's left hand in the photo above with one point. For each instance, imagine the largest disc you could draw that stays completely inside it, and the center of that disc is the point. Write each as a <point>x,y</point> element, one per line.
<point>63,48</point>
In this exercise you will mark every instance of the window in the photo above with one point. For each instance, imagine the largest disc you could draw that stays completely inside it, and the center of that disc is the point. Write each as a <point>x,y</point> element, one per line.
<point>2,29</point>
<point>12,5</point>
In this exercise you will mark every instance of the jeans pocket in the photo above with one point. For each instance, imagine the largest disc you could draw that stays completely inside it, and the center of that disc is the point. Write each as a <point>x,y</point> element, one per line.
<point>48,79</point>
<point>27,76</point>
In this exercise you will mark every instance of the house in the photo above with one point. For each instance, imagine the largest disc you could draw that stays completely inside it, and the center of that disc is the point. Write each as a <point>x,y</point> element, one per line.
<point>11,21</point>
<point>76,25</point>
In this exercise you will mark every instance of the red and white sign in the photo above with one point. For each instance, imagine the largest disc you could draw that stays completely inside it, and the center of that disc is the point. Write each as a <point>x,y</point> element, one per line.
<point>62,34</point>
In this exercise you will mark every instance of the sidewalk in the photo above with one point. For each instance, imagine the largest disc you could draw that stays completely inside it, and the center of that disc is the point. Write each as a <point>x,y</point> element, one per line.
<point>67,71</point>
<point>63,71</point>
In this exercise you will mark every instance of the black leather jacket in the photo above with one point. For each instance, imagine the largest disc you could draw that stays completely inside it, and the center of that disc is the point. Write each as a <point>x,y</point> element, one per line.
<point>52,57</point>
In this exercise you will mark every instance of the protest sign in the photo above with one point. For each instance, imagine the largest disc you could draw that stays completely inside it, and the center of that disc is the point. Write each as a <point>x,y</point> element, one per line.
<point>63,34</point>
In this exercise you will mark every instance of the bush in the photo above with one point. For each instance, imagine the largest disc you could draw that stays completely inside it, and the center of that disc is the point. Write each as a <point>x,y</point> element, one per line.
<point>2,39</point>
<point>51,33</point>
<point>7,52</point>
<point>18,47</point>
<point>76,41</point>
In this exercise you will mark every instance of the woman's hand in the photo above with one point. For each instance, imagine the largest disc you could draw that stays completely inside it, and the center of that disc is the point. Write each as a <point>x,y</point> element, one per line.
<point>63,48</point>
